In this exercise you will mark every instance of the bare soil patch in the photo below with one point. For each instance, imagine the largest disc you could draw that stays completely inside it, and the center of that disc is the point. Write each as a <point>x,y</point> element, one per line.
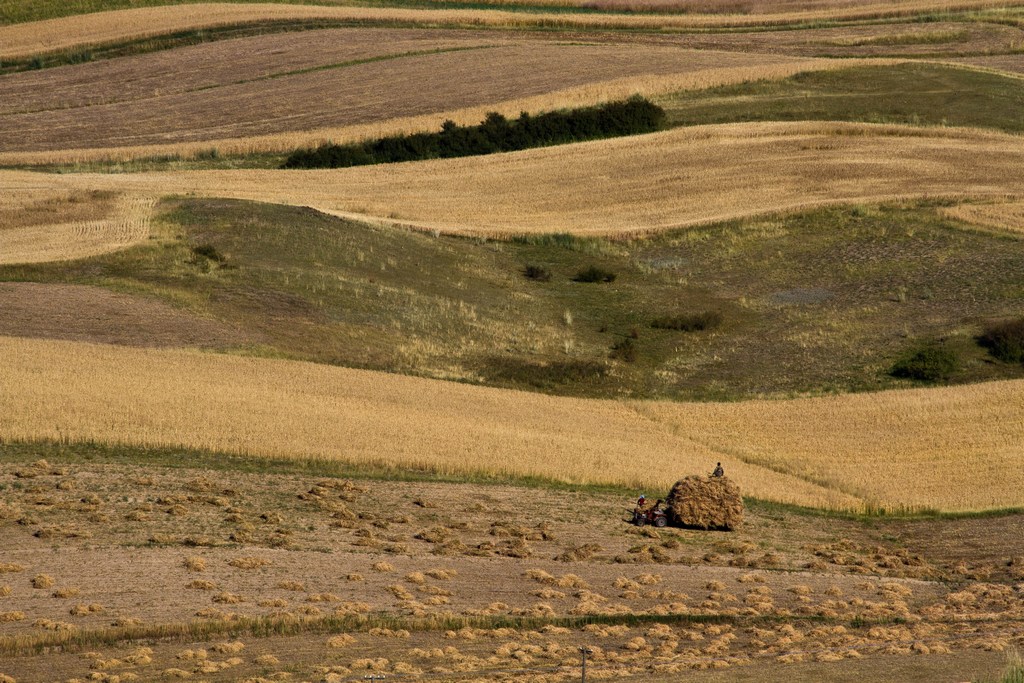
<point>94,314</point>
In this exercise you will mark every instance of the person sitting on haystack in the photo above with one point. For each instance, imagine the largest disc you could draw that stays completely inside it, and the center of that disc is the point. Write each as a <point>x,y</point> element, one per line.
<point>719,472</point>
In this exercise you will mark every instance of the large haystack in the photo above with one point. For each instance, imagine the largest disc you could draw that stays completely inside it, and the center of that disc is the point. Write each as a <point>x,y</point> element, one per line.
<point>705,503</point>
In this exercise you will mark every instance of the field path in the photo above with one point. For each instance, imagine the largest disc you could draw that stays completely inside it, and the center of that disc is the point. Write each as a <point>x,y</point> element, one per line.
<point>627,185</point>
<point>954,448</point>
<point>128,225</point>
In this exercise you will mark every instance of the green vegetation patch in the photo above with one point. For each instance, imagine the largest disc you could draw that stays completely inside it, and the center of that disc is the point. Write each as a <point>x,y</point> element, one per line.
<point>495,134</point>
<point>925,94</point>
<point>779,305</point>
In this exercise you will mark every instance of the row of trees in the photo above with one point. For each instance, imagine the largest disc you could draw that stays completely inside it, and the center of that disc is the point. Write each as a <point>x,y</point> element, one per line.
<point>495,134</point>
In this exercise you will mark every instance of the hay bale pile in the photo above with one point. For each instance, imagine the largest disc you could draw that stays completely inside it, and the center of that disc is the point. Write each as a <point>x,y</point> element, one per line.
<point>705,503</point>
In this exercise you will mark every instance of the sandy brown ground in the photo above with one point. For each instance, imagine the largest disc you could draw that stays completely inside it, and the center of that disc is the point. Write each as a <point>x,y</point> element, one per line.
<point>83,313</point>
<point>117,538</point>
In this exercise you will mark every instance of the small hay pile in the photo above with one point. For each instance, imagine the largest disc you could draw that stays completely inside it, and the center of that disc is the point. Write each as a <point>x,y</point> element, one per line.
<point>705,503</point>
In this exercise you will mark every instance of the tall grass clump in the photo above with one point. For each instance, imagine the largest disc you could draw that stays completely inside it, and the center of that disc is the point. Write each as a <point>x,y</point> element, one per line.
<point>692,322</point>
<point>495,134</point>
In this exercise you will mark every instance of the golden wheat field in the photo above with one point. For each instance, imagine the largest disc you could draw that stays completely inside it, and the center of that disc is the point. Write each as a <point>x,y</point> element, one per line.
<point>120,25</point>
<point>951,449</point>
<point>622,186</point>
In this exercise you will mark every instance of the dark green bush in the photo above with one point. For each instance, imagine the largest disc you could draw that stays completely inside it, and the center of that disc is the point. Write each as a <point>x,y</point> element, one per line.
<point>539,273</point>
<point>930,362</point>
<point>1005,340</point>
<point>544,375</point>
<point>495,134</point>
<point>594,274</point>
<point>694,322</point>
<point>208,251</point>
<point>624,350</point>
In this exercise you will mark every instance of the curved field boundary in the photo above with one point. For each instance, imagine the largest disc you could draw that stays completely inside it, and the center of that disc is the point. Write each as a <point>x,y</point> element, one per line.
<point>624,186</point>
<point>952,448</point>
<point>1004,216</point>
<point>692,77</point>
<point>128,225</point>
<point>21,40</point>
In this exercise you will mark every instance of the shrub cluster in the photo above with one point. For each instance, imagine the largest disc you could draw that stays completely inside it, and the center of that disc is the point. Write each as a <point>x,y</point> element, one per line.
<point>624,350</point>
<point>688,322</point>
<point>1005,340</point>
<point>535,272</point>
<point>208,251</point>
<point>594,274</point>
<point>929,363</point>
<point>495,134</point>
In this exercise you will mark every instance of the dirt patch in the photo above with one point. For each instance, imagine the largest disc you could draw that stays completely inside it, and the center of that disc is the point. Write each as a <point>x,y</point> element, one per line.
<point>93,314</point>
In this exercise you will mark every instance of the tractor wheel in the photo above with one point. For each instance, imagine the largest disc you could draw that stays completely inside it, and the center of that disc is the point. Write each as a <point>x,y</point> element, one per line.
<point>660,522</point>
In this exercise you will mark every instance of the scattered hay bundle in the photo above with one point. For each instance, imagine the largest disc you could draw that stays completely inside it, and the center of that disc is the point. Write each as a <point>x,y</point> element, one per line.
<point>706,503</point>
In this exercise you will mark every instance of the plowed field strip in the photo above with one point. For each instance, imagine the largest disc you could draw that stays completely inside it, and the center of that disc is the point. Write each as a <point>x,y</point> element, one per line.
<point>625,185</point>
<point>104,27</point>
<point>216,64</point>
<point>358,94</point>
<point>584,95</point>
<point>898,448</point>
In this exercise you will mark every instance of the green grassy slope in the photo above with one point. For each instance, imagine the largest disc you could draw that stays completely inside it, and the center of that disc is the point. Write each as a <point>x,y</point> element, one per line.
<point>926,94</point>
<point>814,302</point>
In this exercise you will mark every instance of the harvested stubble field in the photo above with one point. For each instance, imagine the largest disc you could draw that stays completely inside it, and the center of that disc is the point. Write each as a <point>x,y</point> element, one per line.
<point>208,107</point>
<point>38,225</point>
<point>890,449</point>
<point>624,186</point>
<point>1008,215</point>
<point>242,573</point>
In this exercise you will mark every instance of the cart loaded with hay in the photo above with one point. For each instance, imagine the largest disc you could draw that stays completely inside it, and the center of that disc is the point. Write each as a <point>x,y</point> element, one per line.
<point>697,502</point>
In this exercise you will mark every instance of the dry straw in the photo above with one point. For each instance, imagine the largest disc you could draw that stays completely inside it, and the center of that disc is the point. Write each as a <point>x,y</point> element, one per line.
<point>705,503</point>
